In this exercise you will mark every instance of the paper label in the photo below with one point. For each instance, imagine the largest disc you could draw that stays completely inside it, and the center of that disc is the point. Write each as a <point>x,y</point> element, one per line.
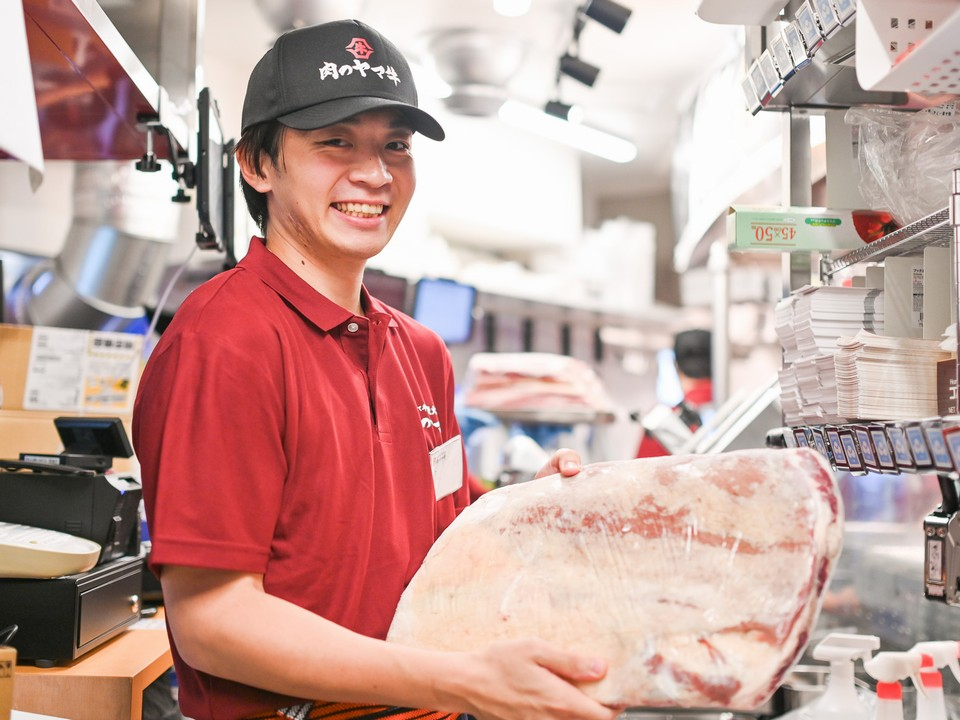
<point>82,371</point>
<point>446,463</point>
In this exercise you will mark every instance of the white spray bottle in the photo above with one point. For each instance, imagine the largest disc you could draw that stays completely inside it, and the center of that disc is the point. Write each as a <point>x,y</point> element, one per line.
<point>888,669</point>
<point>841,701</point>
<point>936,654</point>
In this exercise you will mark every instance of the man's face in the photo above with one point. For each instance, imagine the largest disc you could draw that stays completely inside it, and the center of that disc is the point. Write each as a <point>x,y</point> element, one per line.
<point>339,192</point>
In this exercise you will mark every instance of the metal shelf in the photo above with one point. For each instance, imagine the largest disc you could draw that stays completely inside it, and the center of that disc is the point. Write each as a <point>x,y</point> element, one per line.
<point>933,230</point>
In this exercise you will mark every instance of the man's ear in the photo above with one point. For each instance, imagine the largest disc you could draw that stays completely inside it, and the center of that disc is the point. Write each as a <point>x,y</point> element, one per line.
<point>258,181</point>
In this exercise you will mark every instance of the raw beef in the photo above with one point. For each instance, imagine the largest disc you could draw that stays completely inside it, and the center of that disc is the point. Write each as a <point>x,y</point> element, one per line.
<point>698,577</point>
<point>533,381</point>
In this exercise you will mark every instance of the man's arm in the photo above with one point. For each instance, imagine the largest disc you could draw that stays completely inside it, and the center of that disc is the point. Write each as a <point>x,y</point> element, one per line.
<point>226,625</point>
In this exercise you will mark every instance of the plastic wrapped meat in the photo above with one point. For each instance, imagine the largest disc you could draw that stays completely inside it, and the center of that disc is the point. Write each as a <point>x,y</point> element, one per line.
<point>533,381</point>
<point>697,577</point>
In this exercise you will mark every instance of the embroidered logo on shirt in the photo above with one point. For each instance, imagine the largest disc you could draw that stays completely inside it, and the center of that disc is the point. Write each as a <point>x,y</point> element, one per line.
<point>428,415</point>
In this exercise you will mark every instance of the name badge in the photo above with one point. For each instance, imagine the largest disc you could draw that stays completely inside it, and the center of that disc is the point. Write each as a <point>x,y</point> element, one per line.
<point>446,463</point>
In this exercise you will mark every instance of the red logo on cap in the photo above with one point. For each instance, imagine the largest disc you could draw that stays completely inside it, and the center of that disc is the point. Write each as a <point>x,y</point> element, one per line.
<point>359,48</point>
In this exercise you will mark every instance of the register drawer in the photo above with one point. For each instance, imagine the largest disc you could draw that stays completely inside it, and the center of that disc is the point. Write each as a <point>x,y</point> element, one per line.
<point>62,618</point>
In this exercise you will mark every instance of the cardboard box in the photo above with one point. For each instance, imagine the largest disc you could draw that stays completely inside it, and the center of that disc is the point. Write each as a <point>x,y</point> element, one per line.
<point>14,359</point>
<point>68,371</point>
<point>8,665</point>
<point>786,229</point>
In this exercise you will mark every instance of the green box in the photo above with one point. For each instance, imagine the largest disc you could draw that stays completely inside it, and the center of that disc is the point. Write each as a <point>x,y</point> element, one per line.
<point>788,229</point>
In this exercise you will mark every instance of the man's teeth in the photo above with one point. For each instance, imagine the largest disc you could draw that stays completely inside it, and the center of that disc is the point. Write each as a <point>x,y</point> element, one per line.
<point>359,209</point>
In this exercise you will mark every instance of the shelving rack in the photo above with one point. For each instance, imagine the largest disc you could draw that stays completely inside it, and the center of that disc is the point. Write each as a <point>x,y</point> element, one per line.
<point>930,445</point>
<point>933,230</point>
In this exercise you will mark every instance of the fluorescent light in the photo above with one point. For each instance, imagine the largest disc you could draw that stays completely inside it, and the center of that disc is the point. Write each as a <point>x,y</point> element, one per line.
<point>581,137</point>
<point>511,8</point>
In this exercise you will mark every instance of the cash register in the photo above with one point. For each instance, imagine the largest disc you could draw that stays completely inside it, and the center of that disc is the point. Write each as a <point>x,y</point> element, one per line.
<point>74,492</point>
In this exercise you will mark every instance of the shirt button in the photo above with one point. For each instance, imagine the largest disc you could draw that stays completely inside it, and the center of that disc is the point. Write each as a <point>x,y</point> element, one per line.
<point>352,327</point>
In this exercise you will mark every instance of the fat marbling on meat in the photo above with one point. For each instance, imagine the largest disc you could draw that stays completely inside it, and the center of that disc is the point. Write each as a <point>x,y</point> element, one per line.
<point>698,577</point>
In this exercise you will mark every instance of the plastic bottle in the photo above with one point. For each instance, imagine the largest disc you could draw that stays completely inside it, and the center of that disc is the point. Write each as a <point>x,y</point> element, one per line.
<point>935,655</point>
<point>888,669</point>
<point>841,700</point>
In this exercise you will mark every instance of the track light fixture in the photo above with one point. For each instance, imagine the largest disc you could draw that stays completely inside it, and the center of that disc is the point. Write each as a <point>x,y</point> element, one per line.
<point>608,13</point>
<point>559,109</point>
<point>579,70</point>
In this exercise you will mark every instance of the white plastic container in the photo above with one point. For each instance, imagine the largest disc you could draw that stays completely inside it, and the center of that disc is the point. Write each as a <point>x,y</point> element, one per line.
<point>903,45</point>
<point>889,669</point>
<point>936,655</point>
<point>841,700</point>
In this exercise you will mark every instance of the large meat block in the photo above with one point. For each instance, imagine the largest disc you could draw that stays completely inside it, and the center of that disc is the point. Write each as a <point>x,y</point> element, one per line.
<point>698,577</point>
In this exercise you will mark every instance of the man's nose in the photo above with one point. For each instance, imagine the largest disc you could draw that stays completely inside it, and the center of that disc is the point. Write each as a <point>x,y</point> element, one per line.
<point>372,170</point>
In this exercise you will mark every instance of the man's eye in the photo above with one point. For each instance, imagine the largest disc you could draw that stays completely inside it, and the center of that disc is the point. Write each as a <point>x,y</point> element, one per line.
<point>334,142</point>
<point>401,145</point>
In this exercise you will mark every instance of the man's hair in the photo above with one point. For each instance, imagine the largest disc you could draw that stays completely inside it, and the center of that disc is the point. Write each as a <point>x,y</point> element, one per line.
<point>693,353</point>
<point>258,143</point>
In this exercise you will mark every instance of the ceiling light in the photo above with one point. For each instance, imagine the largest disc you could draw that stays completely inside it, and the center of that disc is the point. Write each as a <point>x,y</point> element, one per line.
<point>578,69</point>
<point>511,8</point>
<point>608,13</point>
<point>570,113</point>
<point>581,137</point>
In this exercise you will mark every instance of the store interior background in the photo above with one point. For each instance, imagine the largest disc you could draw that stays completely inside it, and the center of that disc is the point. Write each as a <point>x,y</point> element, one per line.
<point>547,233</point>
<point>550,236</point>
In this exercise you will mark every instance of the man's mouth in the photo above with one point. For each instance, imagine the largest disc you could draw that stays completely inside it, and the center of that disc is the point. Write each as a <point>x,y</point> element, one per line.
<point>362,210</point>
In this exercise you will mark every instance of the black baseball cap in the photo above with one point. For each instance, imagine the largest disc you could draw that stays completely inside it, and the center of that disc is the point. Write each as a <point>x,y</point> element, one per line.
<point>322,74</point>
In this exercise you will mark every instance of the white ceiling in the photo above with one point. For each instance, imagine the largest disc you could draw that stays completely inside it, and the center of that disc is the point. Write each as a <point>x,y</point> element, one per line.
<point>648,72</point>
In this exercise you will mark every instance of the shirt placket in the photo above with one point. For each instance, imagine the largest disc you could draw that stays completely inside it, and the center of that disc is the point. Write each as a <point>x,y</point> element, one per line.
<point>364,340</point>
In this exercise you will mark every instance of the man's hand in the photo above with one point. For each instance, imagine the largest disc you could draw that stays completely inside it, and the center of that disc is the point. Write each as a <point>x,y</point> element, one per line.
<point>532,680</point>
<point>564,461</point>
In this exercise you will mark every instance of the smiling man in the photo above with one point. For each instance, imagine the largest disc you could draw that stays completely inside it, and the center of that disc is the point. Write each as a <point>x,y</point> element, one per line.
<point>291,484</point>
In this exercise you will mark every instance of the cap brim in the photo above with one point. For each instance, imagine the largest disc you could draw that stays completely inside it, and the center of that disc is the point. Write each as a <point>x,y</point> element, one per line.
<point>334,111</point>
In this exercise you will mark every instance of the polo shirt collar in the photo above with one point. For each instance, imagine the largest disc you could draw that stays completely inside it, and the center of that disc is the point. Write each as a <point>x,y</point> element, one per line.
<point>316,307</point>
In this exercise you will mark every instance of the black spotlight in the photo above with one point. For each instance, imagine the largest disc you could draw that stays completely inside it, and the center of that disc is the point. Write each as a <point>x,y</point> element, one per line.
<point>579,70</point>
<point>608,13</point>
<point>560,110</point>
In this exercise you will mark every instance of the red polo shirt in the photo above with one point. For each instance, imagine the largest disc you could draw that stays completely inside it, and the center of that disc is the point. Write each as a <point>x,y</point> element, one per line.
<point>278,433</point>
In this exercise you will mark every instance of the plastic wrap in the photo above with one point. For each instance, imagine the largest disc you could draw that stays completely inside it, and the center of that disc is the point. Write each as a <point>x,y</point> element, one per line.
<point>906,158</point>
<point>697,577</point>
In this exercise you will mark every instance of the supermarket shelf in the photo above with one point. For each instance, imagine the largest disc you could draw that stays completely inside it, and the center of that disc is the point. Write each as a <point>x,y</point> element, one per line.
<point>934,229</point>
<point>931,445</point>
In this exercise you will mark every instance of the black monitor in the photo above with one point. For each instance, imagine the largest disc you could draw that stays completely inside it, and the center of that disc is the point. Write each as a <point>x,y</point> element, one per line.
<point>214,178</point>
<point>446,307</point>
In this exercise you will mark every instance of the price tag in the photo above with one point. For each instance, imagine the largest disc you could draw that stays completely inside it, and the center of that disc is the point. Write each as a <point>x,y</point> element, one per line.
<point>867,452</point>
<point>785,65</point>
<point>836,446</point>
<point>807,23</point>
<point>881,444</point>
<point>918,447</point>
<point>798,50</point>
<point>901,448</point>
<point>938,447</point>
